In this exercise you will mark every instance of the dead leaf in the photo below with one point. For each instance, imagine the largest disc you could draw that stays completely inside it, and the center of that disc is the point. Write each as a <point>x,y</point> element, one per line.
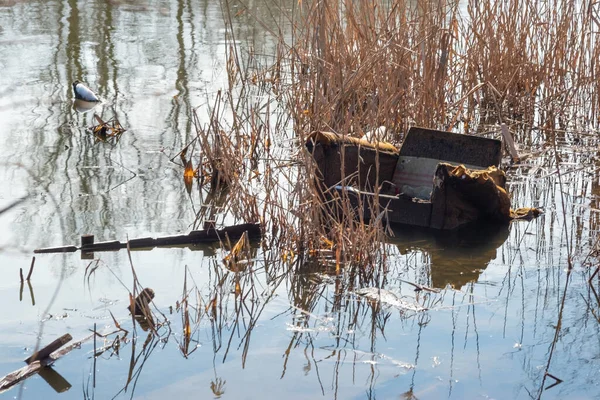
<point>107,129</point>
<point>237,253</point>
<point>188,176</point>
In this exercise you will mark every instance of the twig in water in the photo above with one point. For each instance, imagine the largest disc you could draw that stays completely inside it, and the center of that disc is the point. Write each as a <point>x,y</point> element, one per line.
<point>30,270</point>
<point>94,353</point>
<point>49,349</point>
<point>557,381</point>
<point>30,292</point>
<point>421,287</point>
<point>13,204</point>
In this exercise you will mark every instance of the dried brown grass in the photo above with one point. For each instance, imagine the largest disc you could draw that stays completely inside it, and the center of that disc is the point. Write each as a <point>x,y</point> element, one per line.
<point>361,65</point>
<point>351,67</point>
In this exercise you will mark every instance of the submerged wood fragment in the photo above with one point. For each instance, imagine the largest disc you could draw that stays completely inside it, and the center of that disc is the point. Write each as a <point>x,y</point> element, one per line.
<point>20,375</point>
<point>41,360</point>
<point>194,237</point>
<point>142,301</point>
<point>49,349</point>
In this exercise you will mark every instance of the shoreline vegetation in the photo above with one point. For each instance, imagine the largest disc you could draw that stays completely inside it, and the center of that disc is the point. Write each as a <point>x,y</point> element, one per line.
<point>376,68</point>
<point>370,68</point>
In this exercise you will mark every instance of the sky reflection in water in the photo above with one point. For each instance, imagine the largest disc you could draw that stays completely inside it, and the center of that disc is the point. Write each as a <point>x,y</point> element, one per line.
<point>260,332</point>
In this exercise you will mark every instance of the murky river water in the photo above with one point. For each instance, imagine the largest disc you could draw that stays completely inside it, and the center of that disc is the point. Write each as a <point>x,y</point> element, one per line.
<point>294,335</point>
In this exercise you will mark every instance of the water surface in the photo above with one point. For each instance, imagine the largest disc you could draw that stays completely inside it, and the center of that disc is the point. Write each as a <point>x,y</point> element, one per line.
<point>486,333</point>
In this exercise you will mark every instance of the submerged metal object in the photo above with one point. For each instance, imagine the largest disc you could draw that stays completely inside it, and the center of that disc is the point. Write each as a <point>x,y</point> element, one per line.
<point>437,179</point>
<point>84,93</point>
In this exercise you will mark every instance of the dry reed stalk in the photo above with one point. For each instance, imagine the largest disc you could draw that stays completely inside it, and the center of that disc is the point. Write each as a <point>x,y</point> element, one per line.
<point>367,64</point>
<point>353,67</point>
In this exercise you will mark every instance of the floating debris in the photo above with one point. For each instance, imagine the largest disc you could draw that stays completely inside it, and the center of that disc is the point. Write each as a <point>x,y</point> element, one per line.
<point>194,237</point>
<point>142,302</point>
<point>84,93</point>
<point>45,357</point>
<point>140,308</point>
<point>303,329</point>
<point>107,129</point>
<point>440,180</point>
<point>388,298</point>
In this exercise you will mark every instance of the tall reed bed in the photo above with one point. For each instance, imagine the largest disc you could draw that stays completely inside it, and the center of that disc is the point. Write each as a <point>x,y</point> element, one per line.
<point>359,65</point>
<point>351,67</point>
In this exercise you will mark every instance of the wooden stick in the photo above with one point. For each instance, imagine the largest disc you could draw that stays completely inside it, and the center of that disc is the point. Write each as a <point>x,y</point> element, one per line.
<point>194,237</point>
<point>20,375</point>
<point>31,268</point>
<point>510,143</point>
<point>52,347</point>
<point>30,292</point>
<point>62,249</point>
<point>67,349</point>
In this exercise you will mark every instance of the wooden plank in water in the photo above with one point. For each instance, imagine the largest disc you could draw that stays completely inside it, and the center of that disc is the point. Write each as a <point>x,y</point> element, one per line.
<point>37,364</point>
<point>19,375</point>
<point>49,349</point>
<point>194,237</point>
<point>61,249</point>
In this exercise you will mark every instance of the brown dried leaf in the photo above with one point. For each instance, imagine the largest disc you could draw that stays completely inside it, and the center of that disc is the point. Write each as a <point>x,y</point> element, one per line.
<point>189,170</point>
<point>236,252</point>
<point>188,176</point>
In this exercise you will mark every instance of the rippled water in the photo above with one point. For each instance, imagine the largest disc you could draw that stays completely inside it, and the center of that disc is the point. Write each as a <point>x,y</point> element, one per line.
<point>484,330</point>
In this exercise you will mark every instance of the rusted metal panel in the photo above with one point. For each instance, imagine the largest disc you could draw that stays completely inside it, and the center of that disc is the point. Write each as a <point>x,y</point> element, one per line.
<point>409,211</point>
<point>452,147</point>
<point>349,163</point>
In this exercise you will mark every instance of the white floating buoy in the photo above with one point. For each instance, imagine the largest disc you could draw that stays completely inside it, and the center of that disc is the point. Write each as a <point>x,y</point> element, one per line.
<point>83,92</point>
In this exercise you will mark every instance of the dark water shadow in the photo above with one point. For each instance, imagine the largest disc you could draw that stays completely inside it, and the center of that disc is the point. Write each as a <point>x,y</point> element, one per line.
<point>456,257</point>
